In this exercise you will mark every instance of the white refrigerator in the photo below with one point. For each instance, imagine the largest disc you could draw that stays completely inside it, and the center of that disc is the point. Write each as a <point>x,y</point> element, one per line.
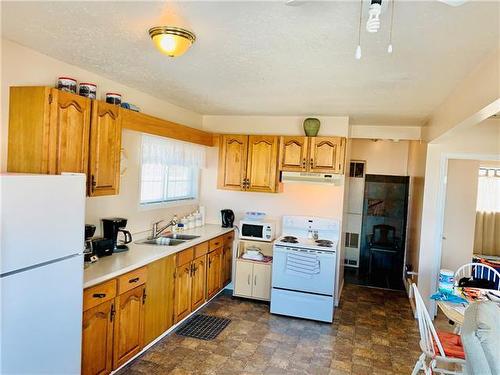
<point>41,273</point>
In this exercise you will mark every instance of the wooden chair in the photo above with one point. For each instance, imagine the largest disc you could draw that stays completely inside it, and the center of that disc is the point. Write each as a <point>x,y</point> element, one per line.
<point>478,271</point>
<point>438,348</point>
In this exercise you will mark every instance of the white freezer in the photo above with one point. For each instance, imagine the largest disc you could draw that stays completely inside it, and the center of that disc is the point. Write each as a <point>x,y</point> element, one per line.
<point>42,218</point>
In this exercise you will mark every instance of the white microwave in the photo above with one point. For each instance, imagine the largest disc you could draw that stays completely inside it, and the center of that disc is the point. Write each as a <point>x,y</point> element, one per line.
<point>257,230</point>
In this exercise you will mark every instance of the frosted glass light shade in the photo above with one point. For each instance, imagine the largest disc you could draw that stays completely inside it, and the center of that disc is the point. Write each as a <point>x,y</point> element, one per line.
<point>172,41</point>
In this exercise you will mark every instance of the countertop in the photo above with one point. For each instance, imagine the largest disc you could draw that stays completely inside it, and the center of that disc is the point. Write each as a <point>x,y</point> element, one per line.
<point>139,255</point>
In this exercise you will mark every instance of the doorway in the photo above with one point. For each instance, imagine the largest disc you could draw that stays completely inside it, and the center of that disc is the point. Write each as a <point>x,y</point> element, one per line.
<point>383,233</point>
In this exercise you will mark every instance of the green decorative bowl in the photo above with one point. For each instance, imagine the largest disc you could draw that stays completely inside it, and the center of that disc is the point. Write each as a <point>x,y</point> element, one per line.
<point>311,126</point>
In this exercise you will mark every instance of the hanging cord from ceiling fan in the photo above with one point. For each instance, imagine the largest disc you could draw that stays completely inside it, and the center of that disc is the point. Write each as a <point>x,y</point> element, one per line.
<point>389,48</point>
<point>358,48</point>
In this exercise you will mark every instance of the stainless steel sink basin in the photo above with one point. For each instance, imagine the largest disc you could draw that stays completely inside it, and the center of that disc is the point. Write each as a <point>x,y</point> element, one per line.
<point>179,236</point>
<point>161,241</point>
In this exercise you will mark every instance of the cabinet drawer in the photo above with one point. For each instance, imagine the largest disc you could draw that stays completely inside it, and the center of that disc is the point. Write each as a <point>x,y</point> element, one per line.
<point>229,237</point>
<point>215,243</point>
<point>132,279</point>
<point>200,249</point>
<point>98,294</point>
<point>185,256</point>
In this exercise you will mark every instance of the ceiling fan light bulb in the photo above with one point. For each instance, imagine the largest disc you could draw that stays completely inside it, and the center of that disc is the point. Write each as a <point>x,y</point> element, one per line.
<point>357,55</point>
<point>373,23</point>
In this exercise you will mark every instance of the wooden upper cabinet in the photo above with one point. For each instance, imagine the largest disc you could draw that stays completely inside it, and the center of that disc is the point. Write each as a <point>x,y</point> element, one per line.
<point>262,168</point>
<point>71,117</point>
<point>48,131</point>
<point>326,154</point>
<point>293,154</point>
<point>232,161</point>
<point>105,148</point>
<point>97,339</point>
<point>129,325</point>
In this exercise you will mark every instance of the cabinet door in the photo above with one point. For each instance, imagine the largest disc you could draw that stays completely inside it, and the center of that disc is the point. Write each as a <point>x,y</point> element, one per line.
<point>97,339</point>
<point>243,278</point>
<point>70,119</point>
<point>293,154</point>
<point>182,292</point>
<point>261,281</point>
<point>105,146</point>
<point>232,161</point>
<point>159,305</point>
<point>198,282</point>
<point>227,263</point>
<point>129,325</point>
<point>262,167</point>
<point>324,154</point>
<point>214,272</point>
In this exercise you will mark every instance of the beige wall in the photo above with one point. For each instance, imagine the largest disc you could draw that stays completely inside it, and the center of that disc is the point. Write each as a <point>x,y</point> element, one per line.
<point>478,143</point>
<point>23,66</point>
<point>417,152</point>
<point>382,157</point>
<point>459,213</point>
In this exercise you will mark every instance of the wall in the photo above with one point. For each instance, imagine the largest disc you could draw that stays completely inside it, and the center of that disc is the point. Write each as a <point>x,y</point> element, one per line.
<point>459,213</point>
<point>417,153</point>
<point>481,142</point>
<point>23,66</point>
<point>382,157</point>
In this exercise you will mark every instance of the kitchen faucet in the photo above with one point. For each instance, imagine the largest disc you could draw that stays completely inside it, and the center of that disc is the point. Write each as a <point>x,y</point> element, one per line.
<point>156,232</point>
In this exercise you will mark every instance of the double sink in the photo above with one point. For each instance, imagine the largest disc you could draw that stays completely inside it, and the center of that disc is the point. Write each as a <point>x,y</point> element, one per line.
<point>172,239</point>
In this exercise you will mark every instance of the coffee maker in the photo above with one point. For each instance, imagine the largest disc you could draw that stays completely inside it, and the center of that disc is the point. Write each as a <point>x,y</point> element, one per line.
<point>111,227</point>
<point>89,248</point>
<point>227,218</point>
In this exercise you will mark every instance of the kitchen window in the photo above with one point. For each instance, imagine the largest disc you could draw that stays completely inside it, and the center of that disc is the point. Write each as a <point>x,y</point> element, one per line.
<point>169,171</point>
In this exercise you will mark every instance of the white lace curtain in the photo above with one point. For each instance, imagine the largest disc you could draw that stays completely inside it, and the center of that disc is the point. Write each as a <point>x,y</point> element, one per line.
<point>487,230</point>
<point>162,151</point>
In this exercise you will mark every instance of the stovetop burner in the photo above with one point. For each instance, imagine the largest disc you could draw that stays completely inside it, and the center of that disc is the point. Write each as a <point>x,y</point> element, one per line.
<point>289,239</point>
<point>324,243</point>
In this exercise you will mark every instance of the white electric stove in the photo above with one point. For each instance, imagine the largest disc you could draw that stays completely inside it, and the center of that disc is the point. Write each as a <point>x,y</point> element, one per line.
<point>304,264</point>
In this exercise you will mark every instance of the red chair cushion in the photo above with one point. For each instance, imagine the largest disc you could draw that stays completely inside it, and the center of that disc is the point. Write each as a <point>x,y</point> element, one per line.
<point>452,345</point>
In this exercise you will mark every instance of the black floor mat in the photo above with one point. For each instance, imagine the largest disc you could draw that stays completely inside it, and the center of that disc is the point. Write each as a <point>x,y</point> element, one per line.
<point>203,327</point>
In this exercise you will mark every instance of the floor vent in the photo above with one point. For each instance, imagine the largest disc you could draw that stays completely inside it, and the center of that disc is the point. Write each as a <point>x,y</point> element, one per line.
<point>204,327</point>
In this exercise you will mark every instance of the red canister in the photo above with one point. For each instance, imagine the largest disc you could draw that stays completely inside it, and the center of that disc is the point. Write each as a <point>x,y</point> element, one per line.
<point>88,90</point>
<point>113,98</point>
<point>67,84</point>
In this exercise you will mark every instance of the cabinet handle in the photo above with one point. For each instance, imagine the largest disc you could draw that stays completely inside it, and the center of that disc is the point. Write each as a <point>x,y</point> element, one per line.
<point>144,295</point>
<point>255,280</point>
<point>304,163</point>
<point>248,280</point>
<point>93,184</point>
<point>134,280</point>
<point>99,295</point>
<point>209,262</point>
<point>112,312</point>
<point>312,163</point>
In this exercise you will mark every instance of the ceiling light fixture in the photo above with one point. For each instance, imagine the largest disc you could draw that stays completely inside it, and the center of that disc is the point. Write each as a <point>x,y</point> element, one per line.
<point>373,23</point>
<point>172,41</point>
<point>357,55</point>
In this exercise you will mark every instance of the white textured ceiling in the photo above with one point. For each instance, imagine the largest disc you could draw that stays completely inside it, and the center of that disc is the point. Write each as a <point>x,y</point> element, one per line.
<point>265,58</point>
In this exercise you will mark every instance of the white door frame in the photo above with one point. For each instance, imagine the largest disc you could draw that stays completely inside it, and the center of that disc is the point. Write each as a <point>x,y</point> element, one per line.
<point>441,200</point>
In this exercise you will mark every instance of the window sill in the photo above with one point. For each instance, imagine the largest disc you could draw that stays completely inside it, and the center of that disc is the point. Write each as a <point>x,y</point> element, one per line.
<point>163,205</point>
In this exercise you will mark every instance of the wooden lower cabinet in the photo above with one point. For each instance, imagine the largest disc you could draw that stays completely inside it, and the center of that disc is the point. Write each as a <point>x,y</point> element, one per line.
<point>97,339</point>
<point>214,272</point>
<point>198,277</point>
<point>129,325</point>
<point>227,264</point>
<point>159,306</point>
<point>182,292</point>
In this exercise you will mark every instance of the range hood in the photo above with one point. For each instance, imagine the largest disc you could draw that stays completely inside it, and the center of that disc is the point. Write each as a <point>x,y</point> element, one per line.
<point>313,178</point>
